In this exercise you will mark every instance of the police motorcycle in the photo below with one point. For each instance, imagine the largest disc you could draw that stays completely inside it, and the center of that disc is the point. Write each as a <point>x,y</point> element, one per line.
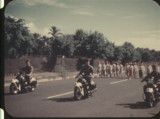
<point>82,89</point>
<point>151,92</point>
<point>19,84</point>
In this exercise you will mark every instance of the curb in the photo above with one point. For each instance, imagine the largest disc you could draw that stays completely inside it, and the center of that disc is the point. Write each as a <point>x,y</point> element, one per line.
<point>6,84</point>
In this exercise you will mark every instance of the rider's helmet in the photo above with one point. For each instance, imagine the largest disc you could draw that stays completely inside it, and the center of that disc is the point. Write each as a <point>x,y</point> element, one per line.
<point>28,62</point>
<point>87,61</point>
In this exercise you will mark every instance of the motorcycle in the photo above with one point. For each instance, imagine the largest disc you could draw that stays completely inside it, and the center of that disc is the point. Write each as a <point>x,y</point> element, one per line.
<point>20,84</point>
<point>82,89</point>
<point>151,93</point>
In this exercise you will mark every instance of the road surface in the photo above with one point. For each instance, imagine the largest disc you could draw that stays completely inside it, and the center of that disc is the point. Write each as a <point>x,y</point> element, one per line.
<point>114,98</point>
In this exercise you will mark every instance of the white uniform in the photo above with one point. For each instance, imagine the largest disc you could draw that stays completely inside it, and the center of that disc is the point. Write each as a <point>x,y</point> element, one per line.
<point>99,71</point>
<point>158,68</point>
<point>111,70</point>
<point>117,70</point>
<point>104,69</point>
<point>108,70</point>
<point>127,70</point>
<point>143,71</point>
<point>132,71</point>
<point>136,71</point>
<point>114,70</point>
<point>149,68</point>
<point>122,71</point>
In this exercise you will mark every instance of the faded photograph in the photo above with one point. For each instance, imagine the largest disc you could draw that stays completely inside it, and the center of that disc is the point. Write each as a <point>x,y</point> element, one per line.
<point>82,58</point>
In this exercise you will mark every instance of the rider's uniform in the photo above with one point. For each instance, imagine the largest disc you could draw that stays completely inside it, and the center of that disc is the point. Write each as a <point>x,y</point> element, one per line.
<point>87,71</point>
<point>28,70</point>
<point>156,77</point>
<point>99,71</point>
<point>154,74</point>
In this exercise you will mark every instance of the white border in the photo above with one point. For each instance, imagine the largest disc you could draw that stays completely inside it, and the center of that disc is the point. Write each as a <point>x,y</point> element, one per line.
<point>1,114</point>
<point>1,4</point>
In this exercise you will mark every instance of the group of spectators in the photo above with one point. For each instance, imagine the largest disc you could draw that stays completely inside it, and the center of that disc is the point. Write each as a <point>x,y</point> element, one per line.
<point>131,70</point>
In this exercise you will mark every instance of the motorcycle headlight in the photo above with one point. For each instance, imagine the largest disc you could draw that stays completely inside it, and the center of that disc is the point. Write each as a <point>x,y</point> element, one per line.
<point>14,80</point>
<point>92,83</point>
<point>154,85</point>
<point>150,90</point>
<point>84,80</point>
<point>22,77</point>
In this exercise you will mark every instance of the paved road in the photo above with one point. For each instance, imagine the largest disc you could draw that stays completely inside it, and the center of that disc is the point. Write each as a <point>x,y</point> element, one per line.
<point>114,98</point>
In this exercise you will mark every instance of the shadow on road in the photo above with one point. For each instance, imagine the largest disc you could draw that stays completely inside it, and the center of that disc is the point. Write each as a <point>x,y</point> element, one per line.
<point>7,94</point>
<point>137,105</point>
<point>66,99</point>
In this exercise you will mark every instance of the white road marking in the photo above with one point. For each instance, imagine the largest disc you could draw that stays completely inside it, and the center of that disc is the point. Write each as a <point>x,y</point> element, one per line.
<point>8,84</point>
<point>59,95</point>
<point>70,92</point>
<point>46,80</point>
<point>118,81</point>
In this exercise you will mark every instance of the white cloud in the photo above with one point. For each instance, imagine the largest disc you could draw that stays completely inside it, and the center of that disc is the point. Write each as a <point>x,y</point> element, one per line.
<point>44,2</point>
<point>34,29</point>
<point>84,13</point>
<point>31,26</point>
<point>143,39</point>
<point>151,41</point>
<point>150,34</point>
<point>133,16</point>
<point>146,42</point>
<point>109,14</point>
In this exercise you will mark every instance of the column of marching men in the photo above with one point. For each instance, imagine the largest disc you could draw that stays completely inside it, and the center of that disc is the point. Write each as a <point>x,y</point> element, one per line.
<point>131,70</point>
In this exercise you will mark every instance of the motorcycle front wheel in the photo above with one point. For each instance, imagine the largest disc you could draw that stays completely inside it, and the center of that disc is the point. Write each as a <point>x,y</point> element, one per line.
<point>77,93</point>
<point>151,104</point>
<point>32,88</point>
<point>150,99</point>
<point>13,89</point>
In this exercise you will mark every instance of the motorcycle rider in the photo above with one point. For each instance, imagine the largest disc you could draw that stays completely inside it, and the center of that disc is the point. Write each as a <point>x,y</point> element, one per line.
<point>28,70</point>
<point>87,72</point>
<point>156,78</point>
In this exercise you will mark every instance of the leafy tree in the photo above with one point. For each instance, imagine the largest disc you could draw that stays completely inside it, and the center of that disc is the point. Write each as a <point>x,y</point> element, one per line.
<point>137,56</point>
<point>92,45</point>
<point>128,51</point>
<point>46,45</point>
<point>17,37</point>
<point>68,47</point>
<point>19,41</point>
<point>109,51</point>
<point>100,47</point>
<point>119,53</point>
<point>95,45</point>
<point>157,55</point>
<point>146,55</point>
<point>79,38</point>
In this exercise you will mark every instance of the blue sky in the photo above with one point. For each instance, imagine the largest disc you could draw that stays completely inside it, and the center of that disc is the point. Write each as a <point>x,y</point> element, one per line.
<point>135,21</point>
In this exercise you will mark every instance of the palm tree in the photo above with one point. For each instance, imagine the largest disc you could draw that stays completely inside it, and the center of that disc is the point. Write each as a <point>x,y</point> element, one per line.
<point>52,59</point>
<point>54,31</point>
